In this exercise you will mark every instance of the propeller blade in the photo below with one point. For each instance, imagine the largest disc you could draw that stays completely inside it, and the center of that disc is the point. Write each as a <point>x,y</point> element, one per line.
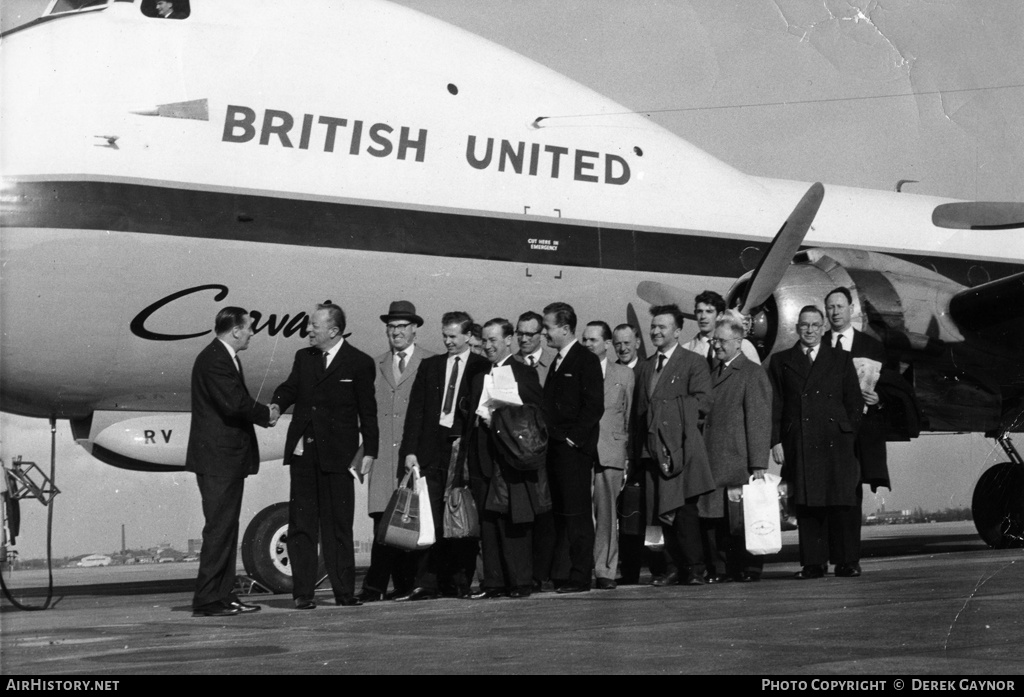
<point>787,241</point>
<point>631,318</point>
<point>656,293</point>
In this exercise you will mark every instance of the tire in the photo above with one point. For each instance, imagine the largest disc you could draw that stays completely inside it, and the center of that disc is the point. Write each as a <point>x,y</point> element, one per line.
<point>998,506</point>
<point>265,549</point>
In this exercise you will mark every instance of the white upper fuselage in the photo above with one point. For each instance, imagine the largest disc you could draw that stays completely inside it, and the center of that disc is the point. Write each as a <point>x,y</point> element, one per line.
<point>248,98</point>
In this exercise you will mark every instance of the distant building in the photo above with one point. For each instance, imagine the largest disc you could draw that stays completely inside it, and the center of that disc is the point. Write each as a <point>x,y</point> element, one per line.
<point>95,560</point>
<point>195,546</point>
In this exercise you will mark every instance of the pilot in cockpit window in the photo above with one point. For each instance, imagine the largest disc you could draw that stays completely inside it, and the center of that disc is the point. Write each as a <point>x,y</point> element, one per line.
<point>166,9</point>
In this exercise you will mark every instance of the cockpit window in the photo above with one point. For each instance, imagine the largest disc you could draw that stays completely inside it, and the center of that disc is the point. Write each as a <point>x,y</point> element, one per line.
<point>166,9</point>
<point>57,7</point>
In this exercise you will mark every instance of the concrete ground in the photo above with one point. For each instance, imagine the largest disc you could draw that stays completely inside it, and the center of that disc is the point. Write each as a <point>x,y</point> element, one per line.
<point>931,601</point>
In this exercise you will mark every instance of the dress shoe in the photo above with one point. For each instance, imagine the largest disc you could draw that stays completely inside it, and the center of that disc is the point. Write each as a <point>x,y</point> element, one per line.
<point>694,580</point>
<point>368,595</point>
<point>717,578</point>
<point>808,572</point>
<point>669,579</point>
<point>418,594</point>
<point>348,601</point>
<point>462,592</point>
<point>489,594</point>
<point>521,592</point>
<point>848,570</point>
<point>245,607</point>
<point>305,604</point>
<point>606,584</point>
<point>216,609</point>
<point>574,588</point>
<point>748,577</point>
<point>544,586</point>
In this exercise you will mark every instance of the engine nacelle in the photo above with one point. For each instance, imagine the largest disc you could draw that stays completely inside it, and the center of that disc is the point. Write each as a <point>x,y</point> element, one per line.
<point>155,441</point>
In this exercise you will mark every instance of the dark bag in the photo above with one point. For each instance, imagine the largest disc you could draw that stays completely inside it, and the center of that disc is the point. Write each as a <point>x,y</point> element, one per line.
<point>631,519</point>
<point>521,435</point>
<point>400,525</point>
<point>460,519</point>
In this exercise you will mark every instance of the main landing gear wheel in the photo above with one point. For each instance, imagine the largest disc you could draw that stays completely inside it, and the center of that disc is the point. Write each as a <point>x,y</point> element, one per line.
<point>265,549</point>
<point>998,506</point>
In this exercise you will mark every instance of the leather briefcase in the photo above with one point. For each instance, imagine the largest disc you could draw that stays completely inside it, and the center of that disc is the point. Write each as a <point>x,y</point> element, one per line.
<point>631,519</point>
<point>400,525</point>
<point>461,519</point>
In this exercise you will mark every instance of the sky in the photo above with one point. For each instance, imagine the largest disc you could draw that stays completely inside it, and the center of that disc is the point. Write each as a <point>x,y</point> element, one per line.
<point>859,92</point>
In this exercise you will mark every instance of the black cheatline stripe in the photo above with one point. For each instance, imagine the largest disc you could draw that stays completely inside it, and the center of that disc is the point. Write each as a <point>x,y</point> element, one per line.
<point>146,209</point>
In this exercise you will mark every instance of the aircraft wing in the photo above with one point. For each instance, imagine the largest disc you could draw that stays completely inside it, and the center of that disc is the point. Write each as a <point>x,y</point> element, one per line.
<point>994,312</point>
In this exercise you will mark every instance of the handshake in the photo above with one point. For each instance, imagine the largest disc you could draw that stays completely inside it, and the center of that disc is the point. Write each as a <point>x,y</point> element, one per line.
<point>275,414</point>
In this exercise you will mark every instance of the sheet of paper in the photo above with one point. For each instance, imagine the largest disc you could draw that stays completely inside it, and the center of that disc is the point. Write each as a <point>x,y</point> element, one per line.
<point>868,371</point>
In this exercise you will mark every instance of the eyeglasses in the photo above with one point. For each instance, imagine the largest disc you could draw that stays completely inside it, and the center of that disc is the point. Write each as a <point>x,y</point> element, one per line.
<point>526,335</point>
<point>399,326</point>
<point>814,326</point>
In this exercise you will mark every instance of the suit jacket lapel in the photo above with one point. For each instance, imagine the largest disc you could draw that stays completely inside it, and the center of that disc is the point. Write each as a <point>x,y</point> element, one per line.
<point>339,358</point>
<point>414,360</point>
<point>385,364</point>
<point>797,360</point>
<point>668,370</point>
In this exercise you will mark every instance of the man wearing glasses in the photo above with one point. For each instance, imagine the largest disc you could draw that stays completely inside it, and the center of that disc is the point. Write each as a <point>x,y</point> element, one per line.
<point>396,372</point>
<point>737,435</point>
<point>816,410</point>
<point>529,334</point>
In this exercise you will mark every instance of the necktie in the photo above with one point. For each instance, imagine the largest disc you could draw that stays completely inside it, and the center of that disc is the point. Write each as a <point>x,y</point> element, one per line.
<point>721,368</point>
<point>533,361</point>
<point>558,362</point>
<point>661,362</point>
<point>711,357</point>
<point>449,395</point>
<point>325,360</point>
<point>810,357</point>
<point>657,373</point>
<point>839,343</point>
<point>401,362</point>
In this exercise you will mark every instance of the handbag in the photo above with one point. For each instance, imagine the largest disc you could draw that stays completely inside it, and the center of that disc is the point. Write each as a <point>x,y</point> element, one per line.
<point>400,525</point>
<point>631,519</point>
<point>461,519</point>
<point>762,524</point>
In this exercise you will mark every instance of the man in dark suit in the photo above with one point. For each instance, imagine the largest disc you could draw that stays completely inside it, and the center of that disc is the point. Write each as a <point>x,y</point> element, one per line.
<point>434,421</point>
<point>816,409</point>
<point>737,434</point>
<point>573,405</point>
<point>673,396</point>
<point>331,386</point>
<point>222,451</point>
<point>870,446</point>
<point>509,499</point>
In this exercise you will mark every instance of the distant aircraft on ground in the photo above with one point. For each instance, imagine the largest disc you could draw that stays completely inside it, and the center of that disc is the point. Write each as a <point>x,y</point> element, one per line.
<point>273,155</point>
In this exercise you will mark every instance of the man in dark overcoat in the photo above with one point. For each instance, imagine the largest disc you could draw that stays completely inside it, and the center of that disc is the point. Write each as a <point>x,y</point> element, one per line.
<point>738,434</point>
<point>673,396</point>
<point>816,410</point>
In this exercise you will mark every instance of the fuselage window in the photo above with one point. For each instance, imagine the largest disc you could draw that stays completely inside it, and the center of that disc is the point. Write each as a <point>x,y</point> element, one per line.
<point>166,9</point>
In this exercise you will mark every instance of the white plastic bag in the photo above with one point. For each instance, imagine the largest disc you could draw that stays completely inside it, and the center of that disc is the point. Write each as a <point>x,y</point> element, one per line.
<point>426,537</point>
<point>762,526</point>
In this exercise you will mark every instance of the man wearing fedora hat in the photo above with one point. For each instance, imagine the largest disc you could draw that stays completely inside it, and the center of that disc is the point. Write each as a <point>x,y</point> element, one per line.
<point>396,373</point>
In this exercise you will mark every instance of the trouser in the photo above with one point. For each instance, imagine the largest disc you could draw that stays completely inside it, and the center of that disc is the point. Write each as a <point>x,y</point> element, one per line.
<point>607,484</point>
<point>222,504</point>
<point>820,533</point>
<point>683,540</point>
<point>321,505</point>
<point>725,553</point>
<point>570,472</point>
<point>846,548</point>
<point>507,551</point>
<point>387,565</point>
